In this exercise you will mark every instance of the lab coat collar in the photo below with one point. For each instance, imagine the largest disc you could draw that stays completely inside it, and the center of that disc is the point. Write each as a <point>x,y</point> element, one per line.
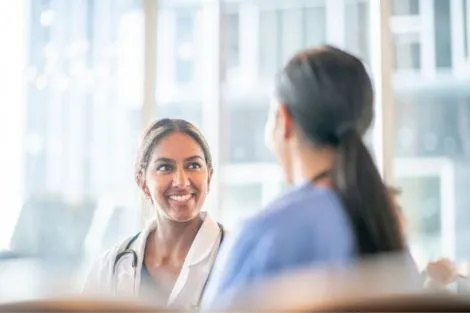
<point>207,237</point>
<point>203,244</point>
<point>206,240</point>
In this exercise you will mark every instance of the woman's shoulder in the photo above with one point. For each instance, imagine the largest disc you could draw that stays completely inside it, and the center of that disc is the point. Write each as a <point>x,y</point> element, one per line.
<point>302,215</point>
<point>108,256</point>
<point>300,202</point>
<point>119,246</point>
<point>101,271</point>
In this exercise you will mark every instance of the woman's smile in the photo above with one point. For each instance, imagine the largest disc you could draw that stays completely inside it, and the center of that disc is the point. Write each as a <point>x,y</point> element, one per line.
<point>181,199</point>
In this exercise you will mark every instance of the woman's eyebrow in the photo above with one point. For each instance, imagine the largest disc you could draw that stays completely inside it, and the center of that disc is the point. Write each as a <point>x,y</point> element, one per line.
<point>194,157</point>
<point>163,159</point>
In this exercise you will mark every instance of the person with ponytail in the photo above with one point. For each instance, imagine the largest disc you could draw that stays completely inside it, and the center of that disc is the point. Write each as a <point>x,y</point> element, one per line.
<point>337,208</point>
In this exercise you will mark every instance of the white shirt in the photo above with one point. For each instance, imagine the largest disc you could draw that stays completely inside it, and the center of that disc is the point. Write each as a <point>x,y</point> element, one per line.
<point>121,279</point>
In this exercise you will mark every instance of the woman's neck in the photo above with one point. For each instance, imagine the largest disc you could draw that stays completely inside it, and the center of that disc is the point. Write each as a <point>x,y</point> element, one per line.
<point>172,240</point>
<point>309,163</point>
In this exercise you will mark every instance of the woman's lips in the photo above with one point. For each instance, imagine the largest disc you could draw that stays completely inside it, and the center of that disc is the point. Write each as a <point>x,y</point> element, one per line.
<point>181,198</point>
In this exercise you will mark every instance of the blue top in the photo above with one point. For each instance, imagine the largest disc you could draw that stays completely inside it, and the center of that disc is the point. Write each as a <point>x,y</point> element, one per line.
<point>305,226</point>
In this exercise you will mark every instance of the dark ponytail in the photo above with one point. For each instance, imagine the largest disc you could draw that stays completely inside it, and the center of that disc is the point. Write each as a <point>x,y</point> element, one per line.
<point>329,95</point>
<point>365,197</point>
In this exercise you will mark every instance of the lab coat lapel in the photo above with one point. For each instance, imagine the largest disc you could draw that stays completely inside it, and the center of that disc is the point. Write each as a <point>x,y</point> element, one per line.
<point>197,264</point>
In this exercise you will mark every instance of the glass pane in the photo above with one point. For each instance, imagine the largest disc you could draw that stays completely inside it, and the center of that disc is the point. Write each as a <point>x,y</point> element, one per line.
<point>252,116</point>
<point>466,26</point>
<point>423,214</point>
<point>83,94</point>
<point>432,160</point>
<point>442,34</point>
<point>291,35</point>
<point>179,62</point>
<point>407,52</point>
<point>184,22</point>
<point>270,54</point>
<point>357,21</point>
<point>314,21</point>
<point>292,29</point>
<point>239,201</point>
<point>405,7</point>
<point>233,39</point>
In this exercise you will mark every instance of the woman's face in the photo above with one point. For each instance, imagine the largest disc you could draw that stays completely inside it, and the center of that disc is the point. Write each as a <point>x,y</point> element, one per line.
<point>276,136</point>
<point>177,178</point>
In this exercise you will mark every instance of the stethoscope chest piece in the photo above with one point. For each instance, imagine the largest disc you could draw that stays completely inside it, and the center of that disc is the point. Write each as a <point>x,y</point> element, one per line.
<point>125,276</point>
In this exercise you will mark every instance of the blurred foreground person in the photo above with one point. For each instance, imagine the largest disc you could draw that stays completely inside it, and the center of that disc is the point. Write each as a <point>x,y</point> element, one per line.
<point>338,209</point>
<point>170,260</point>
<point>318,289</point>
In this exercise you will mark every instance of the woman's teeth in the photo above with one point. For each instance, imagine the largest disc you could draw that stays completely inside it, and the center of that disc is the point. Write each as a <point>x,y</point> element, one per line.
<point>181,198</point>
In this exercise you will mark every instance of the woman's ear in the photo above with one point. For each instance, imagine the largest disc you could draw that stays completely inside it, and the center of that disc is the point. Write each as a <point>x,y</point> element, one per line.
<point>139,179</point>
<point>209,179</point>
<point>284,120</point>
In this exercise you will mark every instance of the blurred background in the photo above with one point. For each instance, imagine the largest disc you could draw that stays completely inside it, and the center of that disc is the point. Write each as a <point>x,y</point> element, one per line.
<point>80,79</point>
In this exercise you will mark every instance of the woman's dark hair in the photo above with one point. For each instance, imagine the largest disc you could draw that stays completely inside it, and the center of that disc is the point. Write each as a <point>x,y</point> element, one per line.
<point>160,129</point>
<point>329,95</point>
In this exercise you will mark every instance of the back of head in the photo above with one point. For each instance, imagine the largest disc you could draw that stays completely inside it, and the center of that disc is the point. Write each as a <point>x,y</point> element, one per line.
<point>329,95</point>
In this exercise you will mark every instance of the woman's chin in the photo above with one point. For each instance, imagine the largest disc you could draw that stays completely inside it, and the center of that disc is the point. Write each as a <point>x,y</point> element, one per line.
<point>181,216</point>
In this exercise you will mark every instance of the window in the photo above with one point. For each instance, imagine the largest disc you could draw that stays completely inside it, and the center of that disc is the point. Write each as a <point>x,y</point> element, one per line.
<point>270,54</point>
<point>357,19</point>
<point>407,52</point>
<point>314,21</point>
<point>431,147</point>
<point>292,29</point>
<point>405,7</point>
<point>233,39</point>
<point>442,34</point>
<point>240,200</point>
<point>184,45</point>
<point>423,211</point>
<point>79,128</point>
<point>180,57</point>
<point>466,27</point>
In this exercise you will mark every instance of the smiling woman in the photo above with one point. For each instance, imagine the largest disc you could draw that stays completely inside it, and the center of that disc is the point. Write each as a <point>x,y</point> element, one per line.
<point>173,256</point>
<point>174,169</point>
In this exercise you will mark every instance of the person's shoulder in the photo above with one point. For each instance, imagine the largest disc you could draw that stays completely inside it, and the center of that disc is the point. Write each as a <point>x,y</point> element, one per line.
<point>300,202</point>
<point>107,258</point>
<point>303,217</point>
<point>119,246</point>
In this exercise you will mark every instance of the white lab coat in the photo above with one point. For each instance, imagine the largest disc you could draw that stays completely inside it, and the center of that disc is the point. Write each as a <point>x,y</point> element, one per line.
<point>125,282</point>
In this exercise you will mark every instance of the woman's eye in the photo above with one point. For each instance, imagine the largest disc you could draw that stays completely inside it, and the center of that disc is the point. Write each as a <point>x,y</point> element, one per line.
<point>194,166</point>
<point>164,168</point>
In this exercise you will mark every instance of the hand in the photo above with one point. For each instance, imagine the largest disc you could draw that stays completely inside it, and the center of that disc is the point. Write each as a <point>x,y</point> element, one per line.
<point>441,273</point>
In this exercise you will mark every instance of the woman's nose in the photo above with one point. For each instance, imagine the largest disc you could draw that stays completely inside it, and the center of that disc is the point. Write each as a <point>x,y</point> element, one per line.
<point>180,178</point>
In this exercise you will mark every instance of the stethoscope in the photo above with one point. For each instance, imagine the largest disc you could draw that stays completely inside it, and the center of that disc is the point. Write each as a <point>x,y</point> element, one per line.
<point>129,251</point>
